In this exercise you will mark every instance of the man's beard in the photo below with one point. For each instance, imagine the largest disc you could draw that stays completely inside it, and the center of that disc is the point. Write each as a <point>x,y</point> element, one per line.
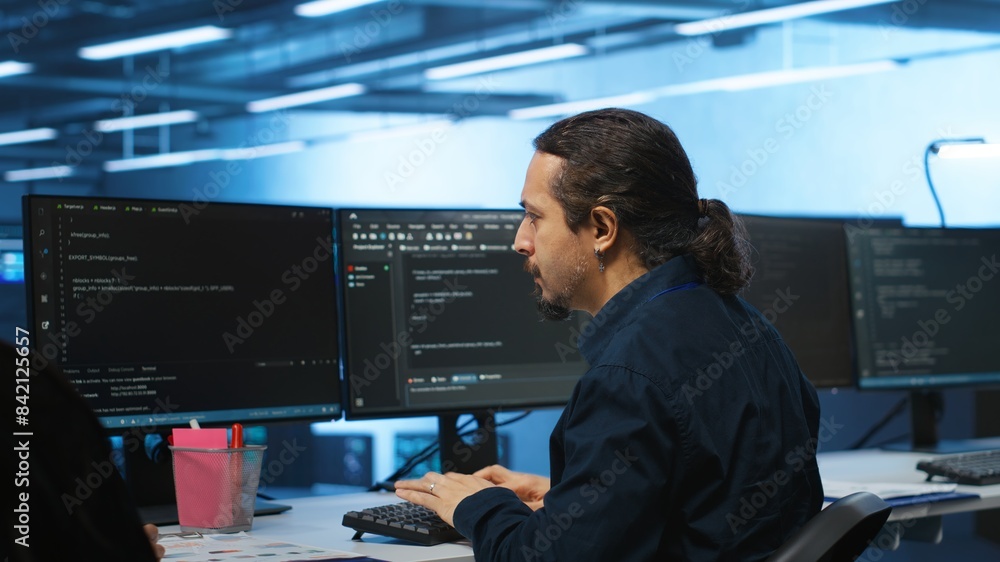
<point>554,309</point>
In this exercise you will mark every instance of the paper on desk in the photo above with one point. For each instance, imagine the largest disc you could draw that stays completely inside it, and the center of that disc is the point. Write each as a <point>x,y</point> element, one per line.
<point>241,546</point>
<point>886,490</point>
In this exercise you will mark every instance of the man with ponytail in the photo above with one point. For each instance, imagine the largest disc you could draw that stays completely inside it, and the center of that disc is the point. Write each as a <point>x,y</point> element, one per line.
<point>693,435</point>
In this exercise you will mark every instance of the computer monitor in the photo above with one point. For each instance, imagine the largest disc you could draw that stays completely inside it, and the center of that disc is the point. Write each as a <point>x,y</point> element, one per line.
<point>13,313</point>
<point>440,320</point>
<point>800,285</point>
<point>925,304</point>
<point>11,256</point>
<point>160,312</point>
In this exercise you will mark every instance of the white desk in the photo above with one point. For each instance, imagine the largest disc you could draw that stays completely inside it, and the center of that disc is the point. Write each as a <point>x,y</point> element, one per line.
<point>316,520</point>
<point>875,465</point>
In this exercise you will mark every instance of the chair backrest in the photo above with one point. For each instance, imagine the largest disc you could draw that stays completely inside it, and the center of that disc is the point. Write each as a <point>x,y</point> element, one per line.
<point>841,532</point>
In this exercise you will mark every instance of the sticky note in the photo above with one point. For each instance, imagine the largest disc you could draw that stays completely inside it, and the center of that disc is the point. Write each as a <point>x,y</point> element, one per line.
<point>201,438</point>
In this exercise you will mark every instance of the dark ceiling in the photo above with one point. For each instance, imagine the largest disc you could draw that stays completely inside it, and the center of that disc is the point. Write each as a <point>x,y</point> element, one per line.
<point>385,46</point>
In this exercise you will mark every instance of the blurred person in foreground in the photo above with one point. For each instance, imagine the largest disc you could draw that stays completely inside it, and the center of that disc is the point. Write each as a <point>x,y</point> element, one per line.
<point>76,503</point>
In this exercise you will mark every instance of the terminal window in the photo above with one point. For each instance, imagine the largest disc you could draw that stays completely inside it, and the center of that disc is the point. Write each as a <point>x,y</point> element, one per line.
<point>158,311</point>
<point>925,303</point>
<point>440,316</point>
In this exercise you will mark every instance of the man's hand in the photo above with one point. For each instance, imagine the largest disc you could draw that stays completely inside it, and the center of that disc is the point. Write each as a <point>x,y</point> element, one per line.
<point>152,532</point>
<point>441,492</point>
<point>531,488</point>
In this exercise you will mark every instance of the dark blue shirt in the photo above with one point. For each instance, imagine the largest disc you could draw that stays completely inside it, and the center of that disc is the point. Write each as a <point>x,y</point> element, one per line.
<point>692,437</point>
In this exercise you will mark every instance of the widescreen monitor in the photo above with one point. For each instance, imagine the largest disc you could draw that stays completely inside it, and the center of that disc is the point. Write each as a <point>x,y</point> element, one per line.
<point>440,320</point>
<point>925,304</point>
<point>800,285</point>
<point>160,312</point>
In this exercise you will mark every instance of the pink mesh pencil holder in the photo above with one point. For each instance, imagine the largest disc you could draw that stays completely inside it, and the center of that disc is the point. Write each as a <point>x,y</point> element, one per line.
<point>216,488</point>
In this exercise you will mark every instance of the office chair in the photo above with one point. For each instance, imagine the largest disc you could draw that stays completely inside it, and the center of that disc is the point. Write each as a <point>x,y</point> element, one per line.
<point>839,533</point>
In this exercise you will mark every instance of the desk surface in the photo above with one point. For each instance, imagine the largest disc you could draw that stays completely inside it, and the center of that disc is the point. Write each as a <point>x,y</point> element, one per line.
<point>875,465</point>
<point>316,521</point>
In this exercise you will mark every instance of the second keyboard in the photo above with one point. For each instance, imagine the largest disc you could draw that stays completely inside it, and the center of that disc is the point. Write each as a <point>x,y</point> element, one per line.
<point>981,468</point>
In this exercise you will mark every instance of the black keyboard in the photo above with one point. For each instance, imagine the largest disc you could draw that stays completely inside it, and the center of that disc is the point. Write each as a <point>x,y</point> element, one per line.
<point>405,521</point>
<point>980,468</point>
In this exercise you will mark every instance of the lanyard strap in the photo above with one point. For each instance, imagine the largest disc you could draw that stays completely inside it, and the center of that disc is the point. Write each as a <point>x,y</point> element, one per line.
<point>684,287</point>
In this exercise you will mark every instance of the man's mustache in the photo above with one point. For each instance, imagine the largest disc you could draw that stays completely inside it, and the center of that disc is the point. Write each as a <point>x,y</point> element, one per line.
<point>532,269</point>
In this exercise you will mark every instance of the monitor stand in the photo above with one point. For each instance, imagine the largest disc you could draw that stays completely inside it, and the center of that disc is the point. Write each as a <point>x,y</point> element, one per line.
<point>149,477</point>
<point>478,450</point>
<point>926,411</point>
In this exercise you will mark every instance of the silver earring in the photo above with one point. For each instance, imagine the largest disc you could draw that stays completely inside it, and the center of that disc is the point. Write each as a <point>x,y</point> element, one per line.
<point>600,260</point>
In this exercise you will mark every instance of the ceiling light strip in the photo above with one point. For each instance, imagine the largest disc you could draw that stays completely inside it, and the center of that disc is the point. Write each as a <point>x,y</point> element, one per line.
<point>32,174</point>
<point>28,135</point>
<point>152,43</point>
<point>306,98</point>
<point>437,126</point>
<point>14,68</point>
<point>771,15</point>
<point>511,60</point>
<point>167,160</point>
<point>571,107</point>
<point>263,150</point>
<point>172,159</point>
<point>727,84</point>
<point>144,121</point>
<point>321,8</point>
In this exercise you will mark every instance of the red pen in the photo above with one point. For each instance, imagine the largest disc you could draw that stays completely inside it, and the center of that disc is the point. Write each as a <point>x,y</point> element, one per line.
<point>238,477</point>
<point>236,441</point>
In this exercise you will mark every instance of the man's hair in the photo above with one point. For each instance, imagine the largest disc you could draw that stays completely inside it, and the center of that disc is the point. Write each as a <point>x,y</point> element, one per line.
<point>635,166</point>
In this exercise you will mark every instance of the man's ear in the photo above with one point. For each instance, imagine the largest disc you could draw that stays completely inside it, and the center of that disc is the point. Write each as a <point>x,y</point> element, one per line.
<point>604,227</point>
